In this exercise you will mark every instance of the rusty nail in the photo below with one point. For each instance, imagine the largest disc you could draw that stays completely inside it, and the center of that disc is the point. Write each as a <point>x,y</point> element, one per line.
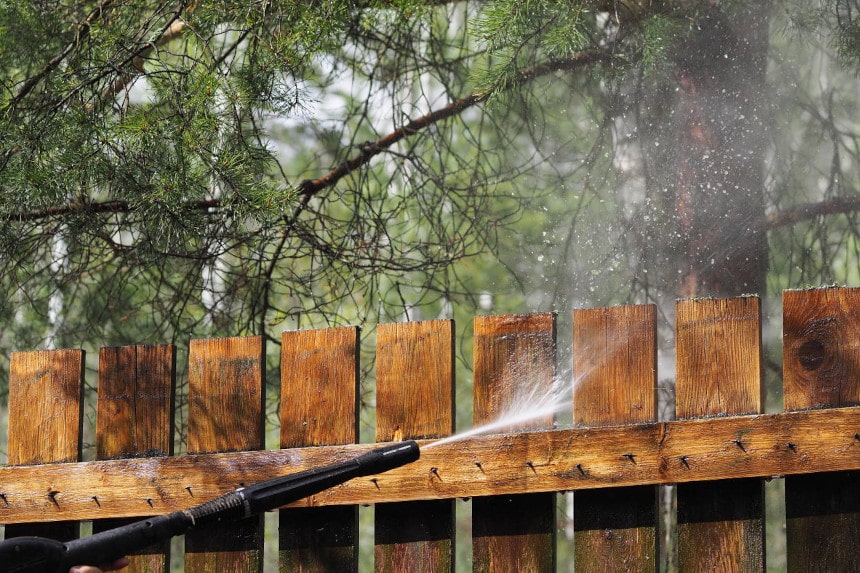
<point>480,467</point>
<point>791,446</point>
<point>149,501</point>
<point>857,436</point>
<point>579,467</point>
<point>3,497</point>
<point>531,466</point>
<point>739,444</point>
<point>685,462</point>
<point>188,489</point>
<point>52,495</point>
<point>435,472</point>
<point>630,458</point>
<point>96,499</point>
<point>375,482</point>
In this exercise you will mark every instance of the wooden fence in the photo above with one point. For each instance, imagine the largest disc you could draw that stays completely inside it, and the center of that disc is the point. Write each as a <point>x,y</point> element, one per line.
<point>613,458</point>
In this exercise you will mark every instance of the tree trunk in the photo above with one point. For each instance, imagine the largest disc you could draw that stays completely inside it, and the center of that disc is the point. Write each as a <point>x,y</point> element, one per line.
<point>718,161</point>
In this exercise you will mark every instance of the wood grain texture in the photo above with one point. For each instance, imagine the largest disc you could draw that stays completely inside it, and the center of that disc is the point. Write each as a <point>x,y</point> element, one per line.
<point>615,374</point>
<point>514,370</point>
<point>414,399</point>
<point>719,372</point>
<point>821,366</point>
<point>319,407</point>
<point>45,422</point>
<point>225,413</point>
<point>135,419</point>
<point>574,459</point>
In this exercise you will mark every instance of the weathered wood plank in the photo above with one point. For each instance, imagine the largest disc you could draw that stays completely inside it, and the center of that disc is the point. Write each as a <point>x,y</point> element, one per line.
<point>319,407</point>
<point>615,373</point>
<point>45,422</point>
<point>821,365</point>
<point>719,371</point>
<point>225,413</point>
<point>514,371</point>
<point>415,399</point>
<point>135,418</point>
<point>572,459</point>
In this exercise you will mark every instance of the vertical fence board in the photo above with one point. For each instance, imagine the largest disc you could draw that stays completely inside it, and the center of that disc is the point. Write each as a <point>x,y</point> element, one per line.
<point>414,400</point>
<point>821,366</point>
<point>319,407</point>
<point>45,421</point>
<point>514,369</point>
<point>719,369</point>
<point>225,413</point>
<point>135,418</point>
<point>615,374</point>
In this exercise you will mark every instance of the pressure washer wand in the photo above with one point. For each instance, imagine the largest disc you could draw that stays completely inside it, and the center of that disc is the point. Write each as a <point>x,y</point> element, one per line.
<point>38,554</point>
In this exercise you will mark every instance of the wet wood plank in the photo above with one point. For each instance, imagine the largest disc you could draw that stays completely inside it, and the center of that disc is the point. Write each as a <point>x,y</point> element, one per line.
<point>225,413</point>
<point>45,422</point>
<point>135,419</point>
<point>680,451</point>
<point>821,366</point>
<point>319,407</point>
<point>514,372</point>
<point>615,373</point>
<point>414,400</point>
<point>719,372</point>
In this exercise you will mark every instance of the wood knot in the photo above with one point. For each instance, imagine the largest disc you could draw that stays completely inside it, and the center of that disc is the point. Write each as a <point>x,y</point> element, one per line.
<point>811,354</point>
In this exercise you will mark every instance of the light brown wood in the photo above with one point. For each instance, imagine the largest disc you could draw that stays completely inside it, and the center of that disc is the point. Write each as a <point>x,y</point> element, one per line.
<point>414,399</point>
<point>821,365</point>
<point>135,418</point>
<point>719,366</point>
<point>680,451</point>
<point>45,417</point>
<point>225,413</point>
<point>319,407</point>
<point>514,371</point>
<point>615,382</point>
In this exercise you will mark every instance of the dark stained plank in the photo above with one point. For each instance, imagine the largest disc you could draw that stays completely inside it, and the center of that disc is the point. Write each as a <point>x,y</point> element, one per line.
<point>135,419</point>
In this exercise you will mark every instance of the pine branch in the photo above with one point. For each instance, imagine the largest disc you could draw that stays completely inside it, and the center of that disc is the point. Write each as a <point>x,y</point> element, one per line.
<point>806,211</point>
<point>83,30</point>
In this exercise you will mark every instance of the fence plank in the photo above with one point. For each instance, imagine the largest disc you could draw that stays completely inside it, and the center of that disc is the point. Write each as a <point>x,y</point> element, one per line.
<point>615,373</point>
<point>135,419</point>
<point>719,368</point>
<point>415,399</point>
<point>821,365</point>
<point>225,413</point>
<point>514,369</point>
<point>45,422</point>
<point>319,407</point>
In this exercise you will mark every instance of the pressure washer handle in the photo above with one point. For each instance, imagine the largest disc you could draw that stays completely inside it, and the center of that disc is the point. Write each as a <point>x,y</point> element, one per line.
<point>41,555</point>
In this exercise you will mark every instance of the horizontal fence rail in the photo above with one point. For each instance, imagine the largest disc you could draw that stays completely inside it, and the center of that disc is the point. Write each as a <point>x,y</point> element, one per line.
<point>612,458</point>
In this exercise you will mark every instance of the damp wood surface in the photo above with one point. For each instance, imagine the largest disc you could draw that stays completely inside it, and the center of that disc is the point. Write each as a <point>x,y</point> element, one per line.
<point>719,371</point>
<point>680,451</point>
<point>821,365</point>
<point>225,413</point>
<point>319,384</point>
<point>615,365</point>
<point>414,399</point>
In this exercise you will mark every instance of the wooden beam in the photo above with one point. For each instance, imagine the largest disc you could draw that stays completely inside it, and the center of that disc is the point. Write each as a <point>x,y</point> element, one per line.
<point>680,451</point>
